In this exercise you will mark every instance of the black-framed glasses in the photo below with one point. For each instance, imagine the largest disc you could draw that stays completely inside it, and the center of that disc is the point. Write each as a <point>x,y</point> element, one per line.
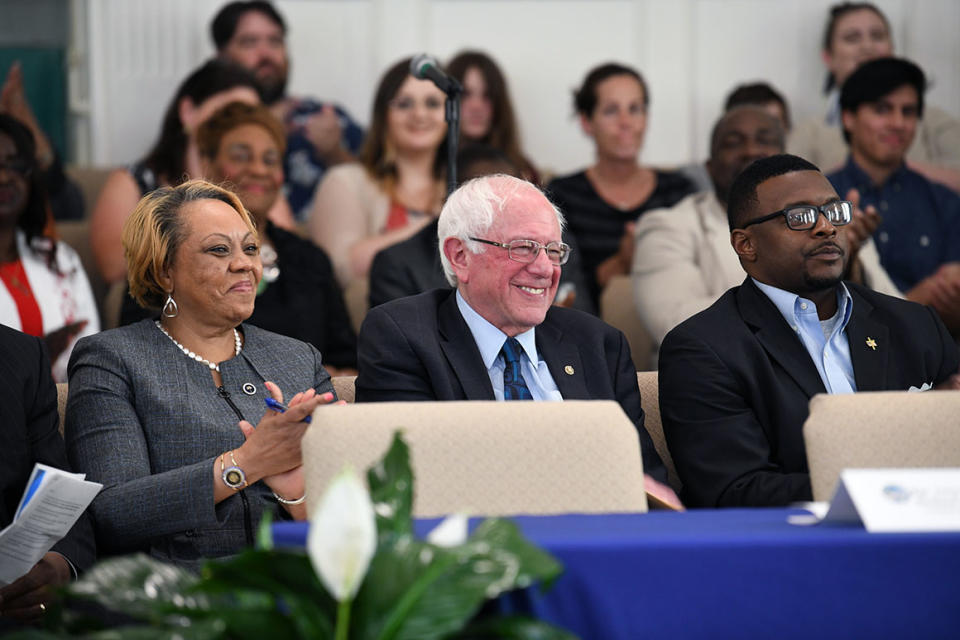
<point>526,251</point>
<point>804,216</point>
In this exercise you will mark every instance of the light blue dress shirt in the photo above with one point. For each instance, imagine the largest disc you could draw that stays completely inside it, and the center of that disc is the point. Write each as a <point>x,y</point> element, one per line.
<point>490,340</point>
<point>825,341</point>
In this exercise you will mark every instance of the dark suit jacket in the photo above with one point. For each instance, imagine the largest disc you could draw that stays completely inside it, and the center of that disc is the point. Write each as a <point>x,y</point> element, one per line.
<point>413,266</point>
<point>420,348</point>
<point>29,433</point>
<point>735,382</point>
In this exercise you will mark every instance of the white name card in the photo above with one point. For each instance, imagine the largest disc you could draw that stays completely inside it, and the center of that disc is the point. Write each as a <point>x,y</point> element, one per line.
<point>898,500</point>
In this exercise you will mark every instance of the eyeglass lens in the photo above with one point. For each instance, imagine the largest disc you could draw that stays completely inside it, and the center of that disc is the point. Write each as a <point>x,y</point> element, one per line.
<point>837,213</point>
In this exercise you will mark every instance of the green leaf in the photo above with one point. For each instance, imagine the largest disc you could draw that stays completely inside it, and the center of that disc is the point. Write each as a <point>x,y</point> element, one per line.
<point>391,490</point>
<point>511,628</point>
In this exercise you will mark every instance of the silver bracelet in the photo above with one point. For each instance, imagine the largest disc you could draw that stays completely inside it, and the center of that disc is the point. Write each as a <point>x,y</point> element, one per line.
<point>285,501</point>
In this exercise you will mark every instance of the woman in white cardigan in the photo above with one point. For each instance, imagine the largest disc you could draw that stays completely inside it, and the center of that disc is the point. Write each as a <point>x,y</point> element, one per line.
<point>43,289</point>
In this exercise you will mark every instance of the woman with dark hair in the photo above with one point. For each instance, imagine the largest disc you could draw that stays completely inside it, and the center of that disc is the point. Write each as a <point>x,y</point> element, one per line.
<point>397,188</point>
<point>602,202</point>
<point>44,291</point>
<point>858,32</point>
<point>486,112</point>
<point>173,158</point>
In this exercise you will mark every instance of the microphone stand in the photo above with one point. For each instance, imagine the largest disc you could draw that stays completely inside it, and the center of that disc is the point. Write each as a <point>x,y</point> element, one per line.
<point>453,133</point>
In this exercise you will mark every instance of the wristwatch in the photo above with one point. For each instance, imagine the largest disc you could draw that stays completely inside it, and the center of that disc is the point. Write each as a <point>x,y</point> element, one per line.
<point>232,476</point>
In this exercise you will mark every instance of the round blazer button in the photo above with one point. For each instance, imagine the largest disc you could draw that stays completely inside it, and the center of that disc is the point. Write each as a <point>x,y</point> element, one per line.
<point>249,388</point>
<point>568,370</point>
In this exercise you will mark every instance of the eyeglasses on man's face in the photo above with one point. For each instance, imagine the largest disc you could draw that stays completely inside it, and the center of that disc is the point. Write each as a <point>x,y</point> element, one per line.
<point>804,216</point>
<point>526,251</point>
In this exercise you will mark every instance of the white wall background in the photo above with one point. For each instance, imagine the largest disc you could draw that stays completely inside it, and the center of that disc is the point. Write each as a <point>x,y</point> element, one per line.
<point>131,54</point>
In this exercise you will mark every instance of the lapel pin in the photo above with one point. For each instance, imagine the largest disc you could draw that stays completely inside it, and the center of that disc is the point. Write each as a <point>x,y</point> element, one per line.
<point>568,370</point>
<point>871,343</point>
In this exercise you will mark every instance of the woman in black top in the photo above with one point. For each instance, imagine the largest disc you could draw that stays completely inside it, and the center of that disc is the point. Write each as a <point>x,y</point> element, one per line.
<point>602,202</point>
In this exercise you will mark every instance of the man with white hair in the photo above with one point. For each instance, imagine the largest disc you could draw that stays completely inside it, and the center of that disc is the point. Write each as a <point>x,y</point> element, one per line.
<point>497,335</point>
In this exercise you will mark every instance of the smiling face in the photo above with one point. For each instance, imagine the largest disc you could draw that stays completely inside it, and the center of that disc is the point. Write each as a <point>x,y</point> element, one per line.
<point>858,36</point>
<point>802,262</point>
<point>512,296</point>
<point>476,108</point>
<point>619,120</point>
<point>215,271</point>
<point>415,117</point>
<point>882,131</point>
<point>249,159</point>
<point>257,44</point>
<point>13,183</point>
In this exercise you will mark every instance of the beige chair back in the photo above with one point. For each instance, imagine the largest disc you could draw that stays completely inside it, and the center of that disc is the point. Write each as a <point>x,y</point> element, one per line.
<point>344,387</point>
<point>91,181</point>
<point>877,430</point>
<point>489,458</point>
<point>62,391</point>
<point>650,400</point>
<point>357,298</point>
<point>617,310</point>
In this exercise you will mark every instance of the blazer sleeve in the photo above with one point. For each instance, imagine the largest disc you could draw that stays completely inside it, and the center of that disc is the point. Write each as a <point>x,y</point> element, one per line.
<point>105,440</point>
<point>389,369</point>
<point>719,447</point>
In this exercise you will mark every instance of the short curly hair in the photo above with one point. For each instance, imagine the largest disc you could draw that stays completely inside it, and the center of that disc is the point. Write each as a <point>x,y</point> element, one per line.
<point>155,230</point>
<point>233,115</point>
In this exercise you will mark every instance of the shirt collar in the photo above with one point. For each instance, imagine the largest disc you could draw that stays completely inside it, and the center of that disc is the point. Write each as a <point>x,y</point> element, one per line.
<point>490,339</point>
<point>788,304</point>
<point>862,180</point>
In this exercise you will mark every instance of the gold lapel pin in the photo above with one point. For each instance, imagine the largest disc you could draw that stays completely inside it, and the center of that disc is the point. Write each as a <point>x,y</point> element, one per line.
<point>871,343</point>
<point>568,370</point>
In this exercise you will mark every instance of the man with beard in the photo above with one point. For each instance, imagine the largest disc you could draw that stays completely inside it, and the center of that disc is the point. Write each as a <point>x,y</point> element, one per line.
<point>736,379</point>
<point>683,260</point>
<point>919,236</point>
<point>319,135</point>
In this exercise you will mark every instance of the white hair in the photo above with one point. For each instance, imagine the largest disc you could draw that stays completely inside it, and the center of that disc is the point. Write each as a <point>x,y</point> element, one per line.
<point>472,209</point>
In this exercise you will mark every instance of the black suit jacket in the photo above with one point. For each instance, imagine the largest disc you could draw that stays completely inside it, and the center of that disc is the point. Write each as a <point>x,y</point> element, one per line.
<point>420,348</point>
<point>735,382</point>
<point>29,433</point>
<point>413,266</point>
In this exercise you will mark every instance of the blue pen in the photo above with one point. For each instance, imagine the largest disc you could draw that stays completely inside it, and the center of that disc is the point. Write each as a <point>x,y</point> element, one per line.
<point>279,407</point>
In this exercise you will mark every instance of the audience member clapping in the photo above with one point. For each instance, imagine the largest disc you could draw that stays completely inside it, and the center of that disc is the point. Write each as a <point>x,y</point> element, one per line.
<point>486,111</point>
<point>397,189</point>
<point>857,32</point>
<point>319,134</point>
<point>173,158</point>
<point>161,412</point>
<point>602,203</point>
<point>44,290</point>
<point>918,235</point>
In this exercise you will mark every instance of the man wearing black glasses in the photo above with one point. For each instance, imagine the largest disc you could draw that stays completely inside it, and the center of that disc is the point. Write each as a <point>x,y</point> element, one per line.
<point>498,336</point>
<point>735,379</point>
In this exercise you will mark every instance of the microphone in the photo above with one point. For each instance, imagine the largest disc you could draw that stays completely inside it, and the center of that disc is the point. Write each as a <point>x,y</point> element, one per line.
<point>426,67</point>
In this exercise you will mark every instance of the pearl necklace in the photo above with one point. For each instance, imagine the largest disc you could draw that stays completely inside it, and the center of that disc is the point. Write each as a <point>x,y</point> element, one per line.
<point>196,356</point>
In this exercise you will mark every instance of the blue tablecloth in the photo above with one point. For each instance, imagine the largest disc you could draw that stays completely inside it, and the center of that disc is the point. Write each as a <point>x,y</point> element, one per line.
<point>740,573</point>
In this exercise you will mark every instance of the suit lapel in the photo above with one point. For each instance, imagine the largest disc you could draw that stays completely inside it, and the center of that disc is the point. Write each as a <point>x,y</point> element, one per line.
<point>869,346</point>
<point>461,351</point>
<point>563,360</point>
<point>777,338</point>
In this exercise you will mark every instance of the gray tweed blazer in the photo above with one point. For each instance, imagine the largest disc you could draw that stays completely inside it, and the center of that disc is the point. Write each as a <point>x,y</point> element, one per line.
<point>148,423</point>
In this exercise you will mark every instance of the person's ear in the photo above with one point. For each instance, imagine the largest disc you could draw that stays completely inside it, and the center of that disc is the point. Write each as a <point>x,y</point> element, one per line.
<point>187,111</point>
<point>458,255</point>
<point>848,118</point>
<point>745,244</point>
<point>586,125</point>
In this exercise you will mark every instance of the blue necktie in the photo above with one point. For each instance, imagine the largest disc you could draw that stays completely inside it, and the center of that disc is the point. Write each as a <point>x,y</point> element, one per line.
<point>514,387</point>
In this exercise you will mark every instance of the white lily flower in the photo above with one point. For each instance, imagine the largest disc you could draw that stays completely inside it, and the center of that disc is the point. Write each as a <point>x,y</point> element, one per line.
<point>343,536</point>
<point>451,532</point>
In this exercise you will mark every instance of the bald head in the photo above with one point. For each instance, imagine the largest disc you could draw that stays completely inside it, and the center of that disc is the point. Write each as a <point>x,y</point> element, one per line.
<point>744,134</point>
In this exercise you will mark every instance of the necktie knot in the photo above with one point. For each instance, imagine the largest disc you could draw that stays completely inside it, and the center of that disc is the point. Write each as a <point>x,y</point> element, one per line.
<point>511,350</point>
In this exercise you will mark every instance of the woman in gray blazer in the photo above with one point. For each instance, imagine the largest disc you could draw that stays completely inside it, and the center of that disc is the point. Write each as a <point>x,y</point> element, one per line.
<point>162,412</point>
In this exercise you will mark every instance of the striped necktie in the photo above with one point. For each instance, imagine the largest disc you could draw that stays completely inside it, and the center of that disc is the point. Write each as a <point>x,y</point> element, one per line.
<point>514,387</point>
